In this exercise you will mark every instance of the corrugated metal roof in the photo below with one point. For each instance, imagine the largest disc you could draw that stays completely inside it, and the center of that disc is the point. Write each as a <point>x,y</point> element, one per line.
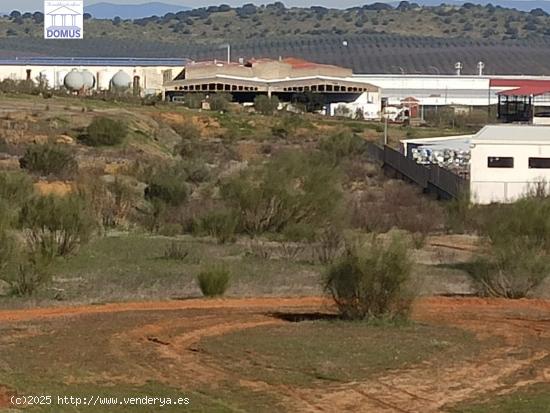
<point>94,61</point>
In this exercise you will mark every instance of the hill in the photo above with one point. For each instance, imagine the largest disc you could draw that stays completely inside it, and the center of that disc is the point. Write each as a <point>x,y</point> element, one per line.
<point>131,11</point>
<point>380,38</point>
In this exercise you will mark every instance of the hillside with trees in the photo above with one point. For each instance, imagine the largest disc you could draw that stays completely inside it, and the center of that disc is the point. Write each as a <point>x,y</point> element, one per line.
<point>372,38</point>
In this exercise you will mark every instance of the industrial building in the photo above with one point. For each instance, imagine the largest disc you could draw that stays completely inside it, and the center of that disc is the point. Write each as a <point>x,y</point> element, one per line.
<point>501,162</point>
<point>146,74</point>
<point>284,78</point>
<point>508,161</point>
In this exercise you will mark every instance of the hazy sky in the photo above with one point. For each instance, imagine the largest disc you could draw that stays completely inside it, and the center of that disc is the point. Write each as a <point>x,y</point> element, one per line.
<point>33,5</point>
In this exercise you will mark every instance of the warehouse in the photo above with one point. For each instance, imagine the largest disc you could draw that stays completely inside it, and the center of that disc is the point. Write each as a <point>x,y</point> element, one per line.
<point>146,74</point>
<point>508,161</point>
<point>501,162</point>
<point>288,79</point>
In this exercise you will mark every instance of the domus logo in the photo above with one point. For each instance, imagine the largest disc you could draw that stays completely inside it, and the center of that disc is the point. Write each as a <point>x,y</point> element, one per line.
<point>63,19</point>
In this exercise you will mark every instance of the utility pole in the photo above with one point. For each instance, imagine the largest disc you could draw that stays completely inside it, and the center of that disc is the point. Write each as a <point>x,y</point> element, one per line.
<point>228,47</point>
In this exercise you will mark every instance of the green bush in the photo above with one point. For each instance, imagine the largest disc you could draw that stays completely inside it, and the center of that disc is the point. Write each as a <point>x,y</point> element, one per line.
<point>15,189</point>
<point>33,272</point>
<point>342,145</point>
<point>167,184</point>
<point>265,105</point>
<point>194,100</point>
<point>214,281</point>
<point>176,251</point>
<point>219,224</point>
<point>49,159</point>
<point>512,272</point>
<point>104,131</point>
<point>293,188</point>
<point>55,225</point>
<point>370,280</point>
<point>189,146</point>
<point>7,247</point>
<point>518,259</point>
<point>196,170</point>
<point>220,101</point>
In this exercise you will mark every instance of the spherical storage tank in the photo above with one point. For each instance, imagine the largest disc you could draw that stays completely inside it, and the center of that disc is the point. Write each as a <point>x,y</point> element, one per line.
<point>121,80</point>
<point>89,79</point>
<point>74,80</point>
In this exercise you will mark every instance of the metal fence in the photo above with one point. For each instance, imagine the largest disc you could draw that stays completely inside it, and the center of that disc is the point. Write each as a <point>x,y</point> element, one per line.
<point>431,178</point>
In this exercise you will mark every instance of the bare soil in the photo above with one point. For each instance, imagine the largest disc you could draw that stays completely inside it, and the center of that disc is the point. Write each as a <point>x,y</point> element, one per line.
<point>168,346</point>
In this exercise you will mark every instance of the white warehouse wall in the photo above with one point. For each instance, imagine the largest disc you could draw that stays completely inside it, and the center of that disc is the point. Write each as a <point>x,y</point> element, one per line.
<point>505,184</point>
<point>369,102</point>
<point>151,78</point>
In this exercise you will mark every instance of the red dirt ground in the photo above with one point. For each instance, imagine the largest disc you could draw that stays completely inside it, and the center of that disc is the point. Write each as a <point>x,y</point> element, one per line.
<point>522,327</point>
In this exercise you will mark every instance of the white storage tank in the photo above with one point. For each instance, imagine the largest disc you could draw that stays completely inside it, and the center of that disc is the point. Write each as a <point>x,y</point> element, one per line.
<point>89,80</point>
<point>121,80</point>
<point>74,80</point>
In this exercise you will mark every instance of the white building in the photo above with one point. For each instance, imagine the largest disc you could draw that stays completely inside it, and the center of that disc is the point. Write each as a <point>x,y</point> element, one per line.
<point>150,74</point>
<point>507,162</point>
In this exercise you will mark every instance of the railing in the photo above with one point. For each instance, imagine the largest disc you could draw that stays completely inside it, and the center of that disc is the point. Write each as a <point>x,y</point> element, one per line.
<point>431,178</point>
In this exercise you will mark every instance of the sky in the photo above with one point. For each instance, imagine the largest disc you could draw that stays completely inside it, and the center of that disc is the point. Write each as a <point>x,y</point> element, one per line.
<point>27,5</point>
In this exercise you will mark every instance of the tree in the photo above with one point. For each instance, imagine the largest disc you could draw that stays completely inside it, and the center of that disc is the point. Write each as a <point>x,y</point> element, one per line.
<point>220,101</point>
<point>266,105</point>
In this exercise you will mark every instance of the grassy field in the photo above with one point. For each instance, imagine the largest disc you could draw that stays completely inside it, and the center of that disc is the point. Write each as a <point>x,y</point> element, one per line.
<point>123,266</point>
<point>309,352</point>
<point>113,355</point>
<point>533,399</point>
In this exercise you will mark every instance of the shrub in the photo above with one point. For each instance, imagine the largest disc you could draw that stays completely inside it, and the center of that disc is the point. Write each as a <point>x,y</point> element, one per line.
<point>32,273</point>
<point>111,202</point>
<point>214,281</point>
<point>329,243</point>
<point>370,280</point>
<point>15,187</point>
<point>513,271</point>
<point>7,247</point>
<point>56,226</point>
<point>105,132</point>
<point>519,254</point>
<point>194,100</point>
<point>49,159</point>
<point>176,251</point>
<point>167,184</point>
<point>342,145</point>
<point>219,224</point>
<point>196,170</point>
<point>293,188</point>
<point>220,101</point>
<point>266,105</point>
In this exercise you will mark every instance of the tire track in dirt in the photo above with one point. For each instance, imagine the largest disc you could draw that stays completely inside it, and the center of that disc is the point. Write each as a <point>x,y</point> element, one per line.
<point>523,327</point>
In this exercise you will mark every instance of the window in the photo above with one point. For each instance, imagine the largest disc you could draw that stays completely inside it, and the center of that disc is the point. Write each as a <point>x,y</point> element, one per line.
<point>500,162</point>
<point>539,163</point>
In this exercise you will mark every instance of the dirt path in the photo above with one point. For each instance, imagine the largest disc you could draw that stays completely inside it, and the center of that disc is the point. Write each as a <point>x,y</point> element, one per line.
<point>522,328</point>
